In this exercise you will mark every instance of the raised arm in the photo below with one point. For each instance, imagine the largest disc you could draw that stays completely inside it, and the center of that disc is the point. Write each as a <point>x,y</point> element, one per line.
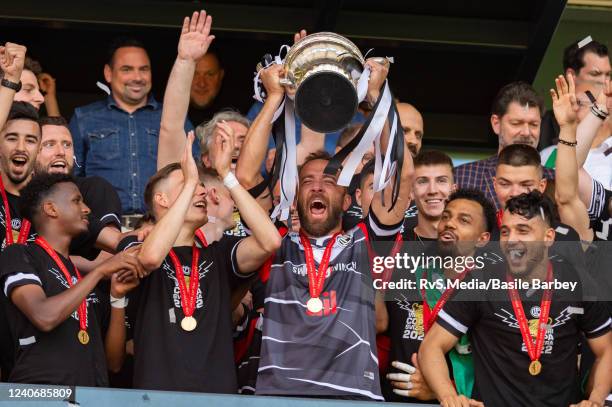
<point>12,58</point>
<point>193,44</point>
<point>378,75</point>
<point>572,210</point>
<point>590,125</point>
<point>255,146</point>
<point>254,250</point>
<point>160,240</point>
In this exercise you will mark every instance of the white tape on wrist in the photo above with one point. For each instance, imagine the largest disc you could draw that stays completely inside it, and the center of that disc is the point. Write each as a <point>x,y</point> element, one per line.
<point>118,302</point>
<point>230,180</point>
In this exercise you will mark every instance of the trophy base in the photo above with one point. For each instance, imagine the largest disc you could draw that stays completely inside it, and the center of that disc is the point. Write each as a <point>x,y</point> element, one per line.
<point>326,102</point>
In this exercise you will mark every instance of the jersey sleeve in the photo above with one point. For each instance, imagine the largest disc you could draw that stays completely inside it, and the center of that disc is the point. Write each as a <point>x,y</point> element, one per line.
<point>377,231</point>
<point>225,254</point>
<point>595,319</point>
<point>459,313</point>
<point>103,201</point>
<point>17,268</point>
<point>598,200</point>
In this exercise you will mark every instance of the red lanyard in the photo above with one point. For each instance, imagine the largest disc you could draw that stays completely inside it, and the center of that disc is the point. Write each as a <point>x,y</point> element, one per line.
<point>397,245</point>
<point>200,235</point>
<point>316,277</point>
<point>25,224</point>
<point>82,310</point>
<point>188,298</point>
<point>429,316</point>
<point>499,216</point>
<point>534,350</point>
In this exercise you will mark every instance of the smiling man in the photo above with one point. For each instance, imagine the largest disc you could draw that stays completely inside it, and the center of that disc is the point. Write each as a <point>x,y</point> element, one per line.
<point>519,361</point>
<point>117,138</point>
<point>515,119</point>
<point>56,156</point>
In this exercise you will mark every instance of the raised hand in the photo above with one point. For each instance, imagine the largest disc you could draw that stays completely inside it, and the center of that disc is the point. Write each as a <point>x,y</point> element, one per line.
<point>299,35</point>
<point>47,84</point>
<point>270,77</point>
<point>565,105</point>
<point>378,75</point>
<point>12,58</point>
<point>188,164</point>
<point>195,36</point>
<point>223,147</point>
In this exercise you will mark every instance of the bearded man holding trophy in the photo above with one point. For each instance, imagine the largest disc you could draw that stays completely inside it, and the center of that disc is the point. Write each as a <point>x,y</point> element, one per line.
<point>319,330</point>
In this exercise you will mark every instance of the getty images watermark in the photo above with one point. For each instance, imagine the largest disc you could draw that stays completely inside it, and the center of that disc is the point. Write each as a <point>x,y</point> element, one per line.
<point>384,266</point>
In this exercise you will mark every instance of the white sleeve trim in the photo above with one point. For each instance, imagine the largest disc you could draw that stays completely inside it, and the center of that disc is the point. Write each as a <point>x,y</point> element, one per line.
<point>452,322</point>
<point>599,328</point>
<point>13,278</point>
<point>111,215</point>
<point>597,203</point>
<point>383,232</point>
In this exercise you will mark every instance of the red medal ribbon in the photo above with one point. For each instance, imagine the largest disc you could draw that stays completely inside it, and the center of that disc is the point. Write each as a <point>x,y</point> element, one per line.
<point>25,224</point>
<point>316,277</point>
<point>200,235</point>
<point>534,351</point>
<point>430,315</point>
<point>188,298</point>
<point>397,245</point>
<point>499,215</point>
<point>82,310</point>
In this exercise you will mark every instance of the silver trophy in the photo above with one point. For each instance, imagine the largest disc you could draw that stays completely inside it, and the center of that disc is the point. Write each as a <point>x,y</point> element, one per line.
<point>322,70</point>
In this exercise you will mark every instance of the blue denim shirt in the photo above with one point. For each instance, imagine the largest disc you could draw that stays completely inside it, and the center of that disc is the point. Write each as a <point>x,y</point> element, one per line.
<point>119,146</point>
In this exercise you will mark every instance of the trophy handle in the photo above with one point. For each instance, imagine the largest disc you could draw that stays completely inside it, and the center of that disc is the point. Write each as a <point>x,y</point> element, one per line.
<point>286,82</point>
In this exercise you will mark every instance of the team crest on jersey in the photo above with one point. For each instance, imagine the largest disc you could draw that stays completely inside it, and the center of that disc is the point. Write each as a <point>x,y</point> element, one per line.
<point>413,329</point>
<point>203,269</point>
<point>343,240</point>
<point>16,224</point>
<point>508,318</point>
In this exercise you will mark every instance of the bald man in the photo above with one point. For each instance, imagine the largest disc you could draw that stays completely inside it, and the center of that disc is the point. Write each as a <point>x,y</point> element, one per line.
<point>412,123</point>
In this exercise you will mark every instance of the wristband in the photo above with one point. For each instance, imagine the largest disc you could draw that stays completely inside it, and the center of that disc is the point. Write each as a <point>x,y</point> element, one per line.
<point>230,180</point>
<point>568,143</point>
<point>600,114</point>
<point>118,302</point>
<point>16,86</point>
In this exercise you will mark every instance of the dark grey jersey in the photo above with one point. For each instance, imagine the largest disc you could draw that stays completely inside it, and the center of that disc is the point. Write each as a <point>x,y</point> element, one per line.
<point>333,352</point>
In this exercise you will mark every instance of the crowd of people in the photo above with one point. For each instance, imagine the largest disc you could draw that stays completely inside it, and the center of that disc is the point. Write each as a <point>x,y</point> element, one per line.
<point>139,250</point>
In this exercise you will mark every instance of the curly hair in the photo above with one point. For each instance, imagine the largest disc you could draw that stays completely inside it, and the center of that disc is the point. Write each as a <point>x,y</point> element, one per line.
<point>474,195</point>
<point>532,204</point>
<point>39,188</point>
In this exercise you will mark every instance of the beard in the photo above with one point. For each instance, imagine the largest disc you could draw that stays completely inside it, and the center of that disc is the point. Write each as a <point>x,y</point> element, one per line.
<point>41,169</point>
<point>319,228</point>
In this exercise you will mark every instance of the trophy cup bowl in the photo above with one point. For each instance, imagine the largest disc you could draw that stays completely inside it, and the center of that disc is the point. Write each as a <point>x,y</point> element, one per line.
<point>322,70</point>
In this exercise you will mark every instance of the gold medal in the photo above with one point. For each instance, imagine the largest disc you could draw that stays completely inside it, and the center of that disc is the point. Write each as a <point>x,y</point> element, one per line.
<point>535,367</point>
<point>189,324</point>
<point>314,305</point>
<point>83,337</point>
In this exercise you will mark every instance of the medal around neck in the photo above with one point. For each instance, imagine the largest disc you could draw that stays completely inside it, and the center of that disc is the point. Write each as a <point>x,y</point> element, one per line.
<point>535,367</point>
<point>189,324</point>
<point>314,305</point>
<point>83,337</point>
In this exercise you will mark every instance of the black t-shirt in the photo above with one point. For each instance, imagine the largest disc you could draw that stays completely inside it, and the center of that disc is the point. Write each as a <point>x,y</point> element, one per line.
<point>500,358</point>
<point>405,310</point>
<point>55,357</point>
<point>165,356</point>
